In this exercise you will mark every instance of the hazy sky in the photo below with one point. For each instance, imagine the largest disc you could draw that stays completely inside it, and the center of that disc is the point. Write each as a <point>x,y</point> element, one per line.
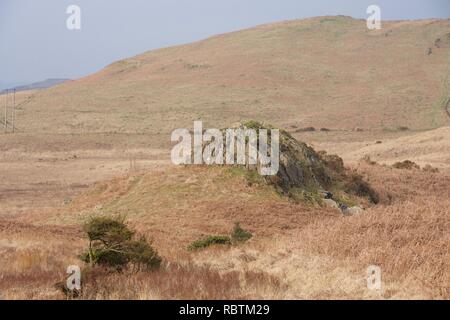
<point>35,43</point>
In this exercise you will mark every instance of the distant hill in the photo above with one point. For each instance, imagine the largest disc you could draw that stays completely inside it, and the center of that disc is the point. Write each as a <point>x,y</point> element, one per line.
<point>325,72</point>
<point>37,85</point>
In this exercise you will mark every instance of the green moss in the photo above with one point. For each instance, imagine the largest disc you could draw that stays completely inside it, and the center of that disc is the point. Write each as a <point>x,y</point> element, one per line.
<point>254,178</point>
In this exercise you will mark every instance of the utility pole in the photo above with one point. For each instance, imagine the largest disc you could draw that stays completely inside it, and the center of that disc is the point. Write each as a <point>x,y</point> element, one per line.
<point>14,110</point>
<point>6,111</point>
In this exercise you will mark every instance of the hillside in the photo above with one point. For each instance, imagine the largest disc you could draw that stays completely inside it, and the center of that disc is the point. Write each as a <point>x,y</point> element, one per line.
<point>325,72</point>
<point>297,250</point>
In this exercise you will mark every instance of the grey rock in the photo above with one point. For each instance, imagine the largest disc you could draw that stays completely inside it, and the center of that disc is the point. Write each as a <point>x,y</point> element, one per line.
<point>352,211</point>
<point>330,203</point>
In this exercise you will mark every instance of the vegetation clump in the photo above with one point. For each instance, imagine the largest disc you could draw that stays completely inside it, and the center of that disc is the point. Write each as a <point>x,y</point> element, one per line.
<point>112,244</point>
<point>429,168</point>
<point>407,164</point>
<point>366,159</point>
<point>306,129</point>
<point>209,241</point>
<point>239,235</point>
<point>356,185</point>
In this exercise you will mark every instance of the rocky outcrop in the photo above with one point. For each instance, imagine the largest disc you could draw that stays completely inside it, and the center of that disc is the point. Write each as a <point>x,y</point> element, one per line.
<point>305,174</point>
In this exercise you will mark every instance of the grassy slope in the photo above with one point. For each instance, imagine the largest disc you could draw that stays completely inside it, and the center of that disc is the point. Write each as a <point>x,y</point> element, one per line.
<point>296,252</point>
<point>327,72</point>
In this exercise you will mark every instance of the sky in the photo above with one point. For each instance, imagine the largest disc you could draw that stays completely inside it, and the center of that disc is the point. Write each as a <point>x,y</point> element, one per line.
<point>35,43</point>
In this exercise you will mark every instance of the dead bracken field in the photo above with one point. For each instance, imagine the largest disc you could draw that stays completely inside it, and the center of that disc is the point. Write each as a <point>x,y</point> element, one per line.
<point>297,251</point>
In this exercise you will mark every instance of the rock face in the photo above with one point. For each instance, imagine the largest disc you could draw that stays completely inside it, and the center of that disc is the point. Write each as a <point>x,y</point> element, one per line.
<point>305,174</point>
<point>301,166</point>
<point>305,171</point>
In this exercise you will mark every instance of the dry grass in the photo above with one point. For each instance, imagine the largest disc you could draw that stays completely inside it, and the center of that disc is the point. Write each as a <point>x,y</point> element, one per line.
<point>407,236</point>
<point>185,281</point>
<point>297,252</point>
<point>49,183</point>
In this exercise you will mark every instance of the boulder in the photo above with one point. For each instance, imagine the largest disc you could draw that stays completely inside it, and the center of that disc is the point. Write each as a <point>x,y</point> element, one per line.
<point>330,203</point>
<point>352,211</point>
<point>304,173</point>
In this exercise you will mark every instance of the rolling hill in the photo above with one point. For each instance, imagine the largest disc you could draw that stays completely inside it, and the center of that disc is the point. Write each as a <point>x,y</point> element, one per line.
<point>325,72</point>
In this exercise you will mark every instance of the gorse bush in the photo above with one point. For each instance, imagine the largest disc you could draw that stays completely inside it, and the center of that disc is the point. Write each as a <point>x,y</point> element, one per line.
<point>239,235</point>
<point>111,245</point>
<point>107,230</point>
<point>209,241</point>
<point>143,255</point>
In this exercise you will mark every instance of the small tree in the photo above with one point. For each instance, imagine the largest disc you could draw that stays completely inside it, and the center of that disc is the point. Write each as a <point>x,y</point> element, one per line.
<point>111,245</point>
<point>142,255</point>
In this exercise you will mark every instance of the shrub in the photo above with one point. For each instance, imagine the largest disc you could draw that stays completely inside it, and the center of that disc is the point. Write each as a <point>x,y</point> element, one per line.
<point>111,245</point>
<point>143,255</point>
<point>357,186</point>
<point>209,241</point>
<point>407,164</point>
<point>239,235</point>
<point>429,168</point>
<point>307,129</point>
<point>107,230</point>
<point>332,161</point>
